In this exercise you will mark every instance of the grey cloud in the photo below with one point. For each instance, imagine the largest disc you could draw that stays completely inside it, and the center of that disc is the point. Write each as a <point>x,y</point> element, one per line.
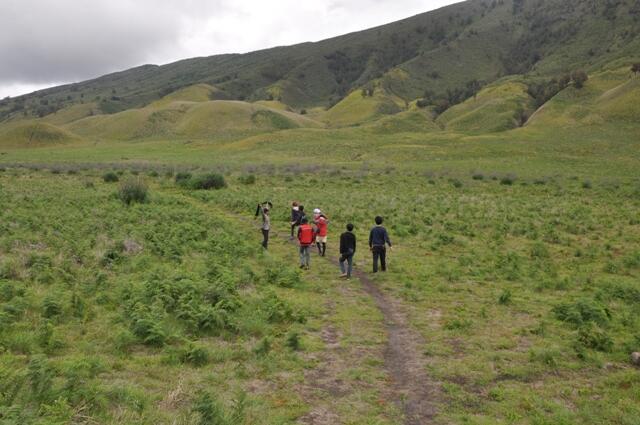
<point>62,40</point>
<point>46,41</point>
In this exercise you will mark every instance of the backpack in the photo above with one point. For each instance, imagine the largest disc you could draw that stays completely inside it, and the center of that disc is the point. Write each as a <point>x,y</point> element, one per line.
<point>306,235</point>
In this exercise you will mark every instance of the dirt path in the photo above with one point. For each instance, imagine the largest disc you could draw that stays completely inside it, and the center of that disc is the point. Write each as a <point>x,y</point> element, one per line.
<point>413,390</point>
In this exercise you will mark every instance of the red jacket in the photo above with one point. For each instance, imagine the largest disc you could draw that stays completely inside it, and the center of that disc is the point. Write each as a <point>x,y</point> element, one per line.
<point>306,235</point>
<point>321,223</point>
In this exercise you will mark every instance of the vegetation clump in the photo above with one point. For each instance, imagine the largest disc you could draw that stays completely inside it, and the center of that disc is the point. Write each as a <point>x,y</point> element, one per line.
<point>110,177</point>
<point>133,191</point>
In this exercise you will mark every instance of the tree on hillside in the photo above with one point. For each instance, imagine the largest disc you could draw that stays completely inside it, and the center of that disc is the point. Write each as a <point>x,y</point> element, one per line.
<point>635,68</point>
<point>579,77</point>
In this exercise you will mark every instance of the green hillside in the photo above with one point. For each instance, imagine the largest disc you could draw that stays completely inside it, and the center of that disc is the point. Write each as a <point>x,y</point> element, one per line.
<point>170,118</point>
<point>34,134</point>
<point>439,51</point>
<point>498,107</point>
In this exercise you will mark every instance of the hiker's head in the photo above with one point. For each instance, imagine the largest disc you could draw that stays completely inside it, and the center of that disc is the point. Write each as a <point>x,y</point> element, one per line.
<point>266,210</point>
<point>350,227</point>
<point>294,204</point>
<point>304,220</point>
<point>379,220</point>
<point>317,211</point>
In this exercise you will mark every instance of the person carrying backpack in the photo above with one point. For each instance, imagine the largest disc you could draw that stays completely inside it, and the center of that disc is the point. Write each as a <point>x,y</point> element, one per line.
<point>378,239</point>
<point>347,250</point>
<point>321,222</point>
<point>306,234</point>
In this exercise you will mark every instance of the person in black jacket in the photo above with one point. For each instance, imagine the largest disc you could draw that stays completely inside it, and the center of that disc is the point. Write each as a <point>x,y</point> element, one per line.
<point>296,216</point>
<point>378,239</point>
<point>347,250</point>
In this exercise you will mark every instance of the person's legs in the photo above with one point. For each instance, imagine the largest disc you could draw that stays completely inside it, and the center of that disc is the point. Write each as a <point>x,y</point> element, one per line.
<point>324,248</point>
<point>342,259</point>
<point>376,254</point>
<point>383,259</point>
<point>302,256</point>
<point>265,238</point>
<point>292,229</point>
<point>307,255</point>
<point>350,269</point>
<point>318,246</point>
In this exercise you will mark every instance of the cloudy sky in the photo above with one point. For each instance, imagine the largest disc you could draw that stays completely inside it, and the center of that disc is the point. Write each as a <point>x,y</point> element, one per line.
<point>49,42</point>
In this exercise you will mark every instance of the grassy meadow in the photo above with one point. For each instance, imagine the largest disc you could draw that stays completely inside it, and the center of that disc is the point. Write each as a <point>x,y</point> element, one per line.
<point>524,288</point>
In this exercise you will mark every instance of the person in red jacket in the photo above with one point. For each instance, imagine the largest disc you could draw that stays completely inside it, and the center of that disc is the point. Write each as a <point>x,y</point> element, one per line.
<point>321,222</point>
<point>306,235</point>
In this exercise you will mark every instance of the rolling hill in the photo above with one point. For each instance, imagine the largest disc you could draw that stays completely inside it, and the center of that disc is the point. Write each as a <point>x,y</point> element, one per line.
<point>471,67</point>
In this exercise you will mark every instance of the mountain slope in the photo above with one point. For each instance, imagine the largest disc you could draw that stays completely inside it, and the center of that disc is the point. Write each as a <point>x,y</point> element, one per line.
<point>437,51</point>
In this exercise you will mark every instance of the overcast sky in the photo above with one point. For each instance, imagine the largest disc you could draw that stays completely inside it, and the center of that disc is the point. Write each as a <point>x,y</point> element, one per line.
<point>50,42</point>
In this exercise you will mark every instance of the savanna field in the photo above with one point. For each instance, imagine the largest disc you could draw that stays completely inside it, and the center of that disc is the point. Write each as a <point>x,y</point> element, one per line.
<point>498,139</point>
<point>524,291</point>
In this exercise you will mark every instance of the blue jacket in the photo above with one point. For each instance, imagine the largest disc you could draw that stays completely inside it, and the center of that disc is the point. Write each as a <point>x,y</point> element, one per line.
<point>378,237</point>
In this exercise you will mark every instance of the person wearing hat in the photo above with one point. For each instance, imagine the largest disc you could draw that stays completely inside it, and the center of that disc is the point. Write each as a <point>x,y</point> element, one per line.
<point>321,223</point>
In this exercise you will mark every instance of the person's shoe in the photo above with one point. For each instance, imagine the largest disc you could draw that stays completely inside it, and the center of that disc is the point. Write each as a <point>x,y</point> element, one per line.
<point>307,268</point>
<point>343,275</point>
<point>302,266</point>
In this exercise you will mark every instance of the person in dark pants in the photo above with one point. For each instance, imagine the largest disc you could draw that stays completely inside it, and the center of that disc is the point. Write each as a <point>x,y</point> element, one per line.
<point>266,222</point>
<point>347,250</point>
<point>297,220</point>
<point>295,216</point>
<point>306,235</point>
<point>378,239</point>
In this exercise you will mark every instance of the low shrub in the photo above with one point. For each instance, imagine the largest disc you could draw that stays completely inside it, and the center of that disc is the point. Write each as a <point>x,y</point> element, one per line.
<point>293,341</point>
<point>208,181</point>
<point>195,355</point>
<point>182,178</point>
<point>507,180</point>
<point>505,297</point>
<point>110,177</point>
<point>132,191</point>
<point>247,179</point>
<point>477,176</point>
<point>593,337</point>
<point>582,311</point>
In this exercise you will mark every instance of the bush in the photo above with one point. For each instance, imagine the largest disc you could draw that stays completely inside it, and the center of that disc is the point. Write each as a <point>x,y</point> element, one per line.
<point>505,297</point>
<point>196,356</point>
<point>581,312</point>
<point>586,184</point>
<point>478,176</point>
<point>247,179</point>
<point>293,341</point>
<point>208,181</point>
<point>110,177</point>
<point>182,178</point>
<point>507,180</point>
<point>51,307</point>
<point>592,336</point>
<point>133,190</point>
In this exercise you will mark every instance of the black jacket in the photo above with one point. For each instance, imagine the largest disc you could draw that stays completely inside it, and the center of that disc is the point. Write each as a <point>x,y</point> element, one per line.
<point>378,237</point>
<point>347,243</point>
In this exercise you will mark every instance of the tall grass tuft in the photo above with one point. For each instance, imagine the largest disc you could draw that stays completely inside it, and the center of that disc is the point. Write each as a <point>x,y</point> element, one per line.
<point>132,191</point>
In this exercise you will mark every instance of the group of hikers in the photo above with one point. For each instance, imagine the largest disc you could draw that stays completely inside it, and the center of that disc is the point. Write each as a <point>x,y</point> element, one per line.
<point>315,232</point>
